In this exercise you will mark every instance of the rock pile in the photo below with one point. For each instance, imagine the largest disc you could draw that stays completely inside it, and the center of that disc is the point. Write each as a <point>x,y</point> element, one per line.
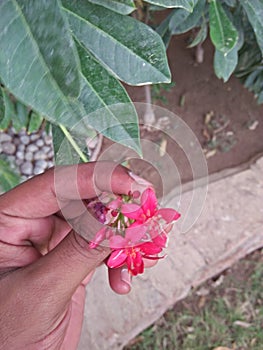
<point>32,154</point>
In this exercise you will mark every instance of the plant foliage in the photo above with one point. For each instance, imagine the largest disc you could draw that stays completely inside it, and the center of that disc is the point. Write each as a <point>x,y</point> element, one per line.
<point>236,31</point>
<point>63,61</point>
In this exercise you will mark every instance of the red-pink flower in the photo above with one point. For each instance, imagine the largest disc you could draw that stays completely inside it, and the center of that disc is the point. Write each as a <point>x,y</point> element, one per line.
<point>148,213</point>
<point>140,230</point>
<point>127,250</point>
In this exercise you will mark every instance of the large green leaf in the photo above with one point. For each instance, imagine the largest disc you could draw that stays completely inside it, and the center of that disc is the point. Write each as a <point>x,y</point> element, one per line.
<point>35,121</point>
<point>188,5</point>
<point>2,106</point>
<point>254,10</point>
<point>21,118</point>
<point>120,6</point>
<point>9,111</point>
<point>68,148</point>
<point>164,31</point>
<point>201,35</point>
<point>8,177</point>
<point>222,31</point>
<point>129,49</point>
<point>100,91</point>
<point>181,23</point>
<point>40,75</point>
<point>225,63</point>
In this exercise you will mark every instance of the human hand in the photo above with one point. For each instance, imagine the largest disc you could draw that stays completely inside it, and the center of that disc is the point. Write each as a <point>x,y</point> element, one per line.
<point>44,264</point>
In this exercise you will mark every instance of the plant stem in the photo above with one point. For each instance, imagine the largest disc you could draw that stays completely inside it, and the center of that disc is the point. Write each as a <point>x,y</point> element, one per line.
<point>73,143</point>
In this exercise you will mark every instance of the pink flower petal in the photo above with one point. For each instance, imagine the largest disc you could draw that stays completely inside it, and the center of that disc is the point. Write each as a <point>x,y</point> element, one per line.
<point>117,258</point>
<point>160,240</point>
<point>115,204</point>
<point>150,248</point>
<point>117,242</point>
<point>135,233</point>
<point>135,264</point>
<point>149,202</point>
<point>99,237</point>
<point>168,214</point>
<point>132,211</point>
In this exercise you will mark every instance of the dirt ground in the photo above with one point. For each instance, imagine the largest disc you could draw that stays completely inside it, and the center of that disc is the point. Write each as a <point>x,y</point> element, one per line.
<point>220,302</point>
<point>225,117</point>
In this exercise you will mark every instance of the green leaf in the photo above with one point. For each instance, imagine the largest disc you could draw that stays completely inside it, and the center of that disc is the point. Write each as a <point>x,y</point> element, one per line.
<point>123,7</point>
<point>188,5</point>
<point>63,150</point>
<point>47,24</point>
<point>222,31</point>
<point>68,147</point>
<point>254,11</point>
<point>231,3</point>
<point>2,106</point>
<point>35,121</point>
<point>38,62</point>
<point>22,116</point>
<point>127,48</point>
<point>8,177</point>
<point>10,113</point>
<point>164,31</point>
<point>99,91</point>
<point>189,21</point>
<point>201,35</point>
<point>225,63</point>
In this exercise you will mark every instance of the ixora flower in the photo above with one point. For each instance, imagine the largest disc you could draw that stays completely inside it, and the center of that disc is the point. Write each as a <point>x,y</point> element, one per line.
<point>136,230</point>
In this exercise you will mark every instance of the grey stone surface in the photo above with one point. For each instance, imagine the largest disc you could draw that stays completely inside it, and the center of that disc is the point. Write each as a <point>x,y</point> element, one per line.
<point>26,168</point>
<point>5,137</point>
<point>229,227</point>
<point>25,139</point>
<point>8,147</point>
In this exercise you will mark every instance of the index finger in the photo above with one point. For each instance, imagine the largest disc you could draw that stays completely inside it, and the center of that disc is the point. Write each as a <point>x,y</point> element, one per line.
<point>47,193</point>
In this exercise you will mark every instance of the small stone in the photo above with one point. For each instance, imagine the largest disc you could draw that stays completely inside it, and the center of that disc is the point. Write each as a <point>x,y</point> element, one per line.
<point>48,140</point>
<point>26,168</point>
<point>21,147</point>
<point>50,154</point>
<point>16,140</point>
<point>38,171</point>
<point>8,148</point>
<point>41,163</point>
<point>40,155</point>
<point>50,164</point>
<point>46,149</point>
<point>40,142</point>
<point>20,155</point>
<point>5,137</point>
<point>25,139</point>
<point>32,148</point>
<point>29,156</point>
<point>34,137</point>
<point>19,161</point>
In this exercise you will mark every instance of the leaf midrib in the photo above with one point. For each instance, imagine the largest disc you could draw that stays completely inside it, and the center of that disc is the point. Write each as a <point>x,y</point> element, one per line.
<point>219,22</point>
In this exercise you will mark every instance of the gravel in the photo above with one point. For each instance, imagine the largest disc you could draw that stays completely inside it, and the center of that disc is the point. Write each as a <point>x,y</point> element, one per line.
<point>32,154</point>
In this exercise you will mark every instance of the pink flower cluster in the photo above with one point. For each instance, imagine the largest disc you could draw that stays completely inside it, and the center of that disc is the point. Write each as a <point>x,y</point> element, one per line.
<point>135,228</point>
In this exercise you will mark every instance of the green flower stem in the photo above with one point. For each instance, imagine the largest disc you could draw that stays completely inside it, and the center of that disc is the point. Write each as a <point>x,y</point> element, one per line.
<point>73,143</point>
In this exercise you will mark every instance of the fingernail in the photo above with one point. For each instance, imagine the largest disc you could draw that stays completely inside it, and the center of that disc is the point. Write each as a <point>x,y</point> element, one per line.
<point>125,276</point>
<point>140,180</point>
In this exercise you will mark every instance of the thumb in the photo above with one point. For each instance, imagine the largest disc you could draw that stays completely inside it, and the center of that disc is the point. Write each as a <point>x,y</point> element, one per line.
<point>64,268</point>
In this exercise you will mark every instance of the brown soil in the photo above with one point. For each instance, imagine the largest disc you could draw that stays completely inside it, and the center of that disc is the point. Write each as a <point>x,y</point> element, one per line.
<point>203,92</point>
